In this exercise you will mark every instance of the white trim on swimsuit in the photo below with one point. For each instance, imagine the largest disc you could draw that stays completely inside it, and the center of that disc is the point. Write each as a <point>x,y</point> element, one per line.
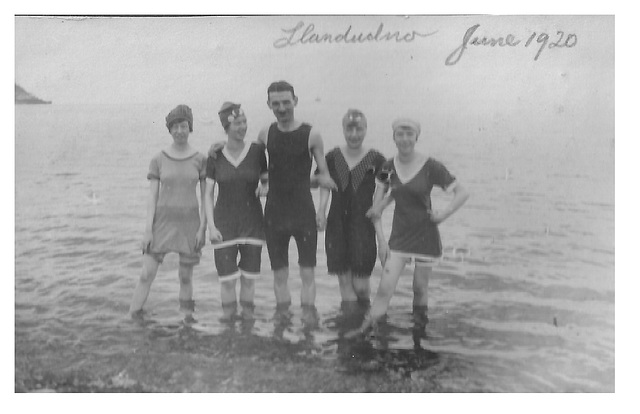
<point>236,161</point>
<point>249,275</point>
<point>405,179</point>
<point>419,259</point>
<point>228,278</point>
<point>239,241</point>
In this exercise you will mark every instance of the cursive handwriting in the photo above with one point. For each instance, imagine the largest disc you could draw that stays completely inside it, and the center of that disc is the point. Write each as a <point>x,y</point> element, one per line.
<point>509,41</point>
<point>305,34</point>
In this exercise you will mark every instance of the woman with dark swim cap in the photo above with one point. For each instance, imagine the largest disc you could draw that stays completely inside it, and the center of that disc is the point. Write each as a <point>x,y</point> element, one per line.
<point>175,222</point>
<point>236,223</point>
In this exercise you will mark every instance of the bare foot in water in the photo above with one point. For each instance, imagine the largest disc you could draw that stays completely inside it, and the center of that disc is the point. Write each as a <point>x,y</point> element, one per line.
<point>363,331</point>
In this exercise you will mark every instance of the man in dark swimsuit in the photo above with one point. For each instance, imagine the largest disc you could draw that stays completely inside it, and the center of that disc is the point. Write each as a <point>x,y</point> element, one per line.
<point>289,210</point>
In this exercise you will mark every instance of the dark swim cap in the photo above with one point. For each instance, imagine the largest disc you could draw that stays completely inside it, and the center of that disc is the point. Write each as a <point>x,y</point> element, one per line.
<point>228,112</point>
<point>178,114</point>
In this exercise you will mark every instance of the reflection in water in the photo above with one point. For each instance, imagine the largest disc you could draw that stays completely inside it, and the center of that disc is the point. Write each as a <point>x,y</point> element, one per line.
<point>282,321</point>
<point>375,351</point>
<point>187,308</point>
<point>293,342</point>
<point>229,312</point>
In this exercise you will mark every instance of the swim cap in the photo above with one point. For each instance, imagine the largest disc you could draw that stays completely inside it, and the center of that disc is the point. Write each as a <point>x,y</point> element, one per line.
<point>354,117</point>
<point>407,123</point>
<point>228,112</point>
<point>180,113</point>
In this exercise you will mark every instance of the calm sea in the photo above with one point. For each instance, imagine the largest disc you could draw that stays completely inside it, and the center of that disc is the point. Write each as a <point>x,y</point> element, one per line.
<point>523,300</point>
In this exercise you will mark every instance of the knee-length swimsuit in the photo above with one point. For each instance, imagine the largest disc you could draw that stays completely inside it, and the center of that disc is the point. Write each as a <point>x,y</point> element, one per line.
<point>238,212</point>
<point>350,238</point>
<point>177,215</point>
<point>413,234</point>
<point>289,210</point>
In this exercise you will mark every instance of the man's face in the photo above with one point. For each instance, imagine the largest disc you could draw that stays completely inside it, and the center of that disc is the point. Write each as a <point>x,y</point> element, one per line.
<point>282,104</point>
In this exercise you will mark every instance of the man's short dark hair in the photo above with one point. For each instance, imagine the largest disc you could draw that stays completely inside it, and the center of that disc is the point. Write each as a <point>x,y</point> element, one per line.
<point>280,86</point>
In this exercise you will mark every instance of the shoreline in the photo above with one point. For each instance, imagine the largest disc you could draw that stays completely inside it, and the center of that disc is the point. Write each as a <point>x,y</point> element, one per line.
<point>277,367</point>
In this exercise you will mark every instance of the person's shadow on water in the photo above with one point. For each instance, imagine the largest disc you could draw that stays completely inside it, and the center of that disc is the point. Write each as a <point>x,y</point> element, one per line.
<point>373,351</point>
<point>350,351</point>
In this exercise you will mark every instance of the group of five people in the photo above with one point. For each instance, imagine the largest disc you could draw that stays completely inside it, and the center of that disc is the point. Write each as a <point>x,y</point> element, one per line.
<point>360,181</point>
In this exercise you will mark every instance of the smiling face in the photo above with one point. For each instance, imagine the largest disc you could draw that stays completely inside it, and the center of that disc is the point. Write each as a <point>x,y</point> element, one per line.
<point>405,139</point>
<point>354,134</point>
<point>179,130</point>
<point>282,104</point>
<point>237,129</point>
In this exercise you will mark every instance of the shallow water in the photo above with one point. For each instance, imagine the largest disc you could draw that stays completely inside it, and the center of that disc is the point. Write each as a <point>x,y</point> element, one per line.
<point>523,300</point>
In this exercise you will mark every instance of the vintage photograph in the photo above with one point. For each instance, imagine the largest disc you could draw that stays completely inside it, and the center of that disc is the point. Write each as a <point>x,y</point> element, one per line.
<point>314,203</point>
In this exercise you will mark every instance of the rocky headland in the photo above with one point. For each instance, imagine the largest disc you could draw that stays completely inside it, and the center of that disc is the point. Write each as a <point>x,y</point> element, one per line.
<point>24,97</point>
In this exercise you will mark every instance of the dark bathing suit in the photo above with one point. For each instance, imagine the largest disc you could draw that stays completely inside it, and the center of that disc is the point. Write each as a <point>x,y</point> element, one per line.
<point>350,237</point>
<point>289,210</point>
<point>238,212</point>
<point>413,234</point>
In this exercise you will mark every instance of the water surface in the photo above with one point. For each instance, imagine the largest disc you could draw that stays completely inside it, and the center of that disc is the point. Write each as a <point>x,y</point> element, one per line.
<point>522,302</point>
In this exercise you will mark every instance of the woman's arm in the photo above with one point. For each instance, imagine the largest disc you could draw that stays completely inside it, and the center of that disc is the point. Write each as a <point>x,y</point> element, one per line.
<point>321,215</point>
<point>377,206</point>
<point>214,234</point>
<point>380,202</point>
<point>200,235</point>
<point>152,201</point>
<point>323,178</point>
<point>313,181</point>
<point>263,186</point>
<point>460,196</point>
<point>203,212</point>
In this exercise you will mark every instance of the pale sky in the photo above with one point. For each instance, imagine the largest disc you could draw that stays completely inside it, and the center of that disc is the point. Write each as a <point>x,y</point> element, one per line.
<point>209,59</point>
<point>147,59</point>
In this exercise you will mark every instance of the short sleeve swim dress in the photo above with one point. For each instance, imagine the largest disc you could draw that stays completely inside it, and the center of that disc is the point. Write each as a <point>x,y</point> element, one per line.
<point>177,216</point>
<point>413,234</point>
<point>238,212</point>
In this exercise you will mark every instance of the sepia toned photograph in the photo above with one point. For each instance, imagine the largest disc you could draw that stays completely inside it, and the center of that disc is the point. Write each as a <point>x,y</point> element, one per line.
<point>314,204</point>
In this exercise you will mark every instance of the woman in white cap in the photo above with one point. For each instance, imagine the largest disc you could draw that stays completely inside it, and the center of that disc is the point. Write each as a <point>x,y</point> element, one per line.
<point>175,222</point>
<point>409,178</point>
<point>350,240</point>
<point>236,223</point>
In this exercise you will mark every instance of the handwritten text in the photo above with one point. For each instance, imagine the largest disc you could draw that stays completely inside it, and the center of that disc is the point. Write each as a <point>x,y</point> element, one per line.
<point>305,34</point>
<point>510,41</point>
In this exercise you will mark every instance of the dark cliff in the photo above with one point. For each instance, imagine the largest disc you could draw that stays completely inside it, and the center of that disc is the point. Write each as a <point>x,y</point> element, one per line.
<point>24,97</point>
